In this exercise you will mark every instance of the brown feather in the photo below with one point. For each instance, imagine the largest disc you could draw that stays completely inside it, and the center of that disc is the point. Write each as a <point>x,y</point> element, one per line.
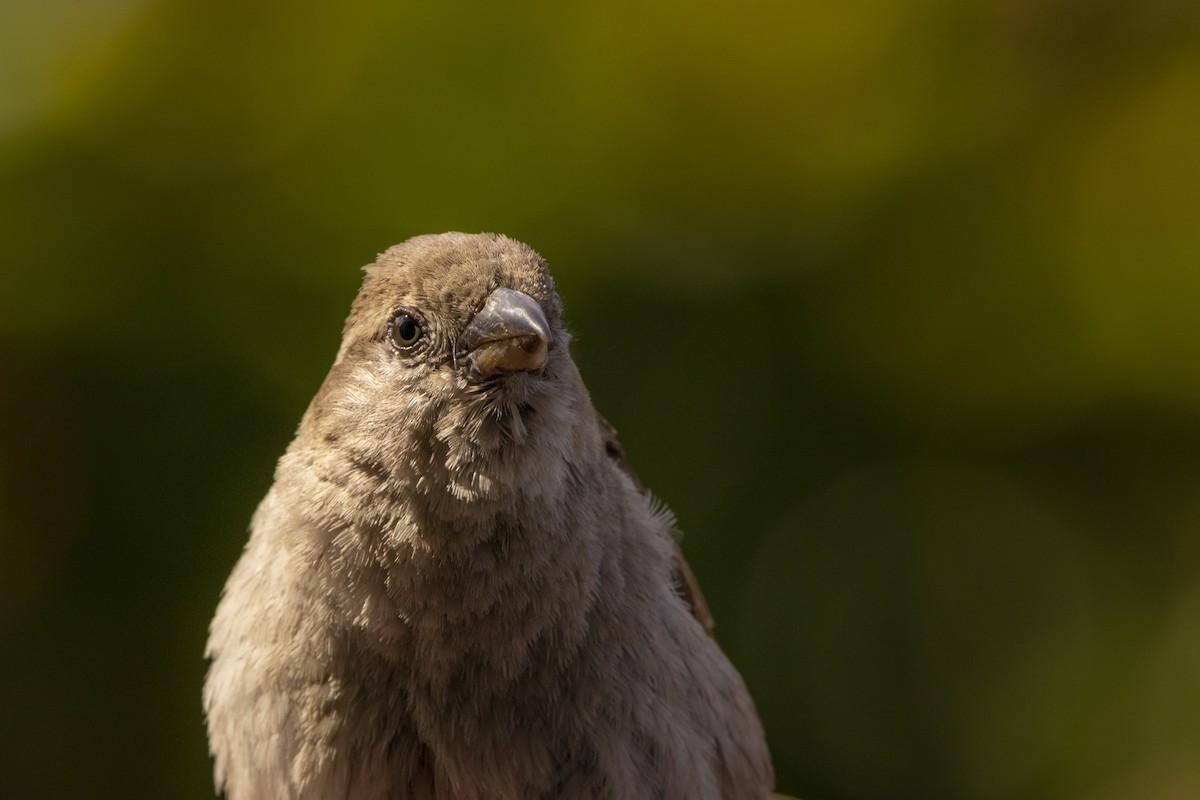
<point>683,580</point>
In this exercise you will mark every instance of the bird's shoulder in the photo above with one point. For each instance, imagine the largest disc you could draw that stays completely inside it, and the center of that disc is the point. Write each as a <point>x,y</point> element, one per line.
<point>683,580</point>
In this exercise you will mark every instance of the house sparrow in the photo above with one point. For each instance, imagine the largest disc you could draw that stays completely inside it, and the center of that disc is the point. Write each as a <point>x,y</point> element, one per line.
<point>456,587</point>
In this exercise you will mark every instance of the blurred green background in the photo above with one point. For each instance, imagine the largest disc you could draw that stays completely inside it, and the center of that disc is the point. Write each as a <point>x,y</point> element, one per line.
<point>895,303</point>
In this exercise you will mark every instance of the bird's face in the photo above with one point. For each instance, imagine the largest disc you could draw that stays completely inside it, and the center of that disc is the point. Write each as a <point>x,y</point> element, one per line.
<point>455,356</point>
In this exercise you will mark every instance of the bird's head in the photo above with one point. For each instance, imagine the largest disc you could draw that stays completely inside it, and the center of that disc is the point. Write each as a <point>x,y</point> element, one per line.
<point>454,377</point>
<point>481,304</point>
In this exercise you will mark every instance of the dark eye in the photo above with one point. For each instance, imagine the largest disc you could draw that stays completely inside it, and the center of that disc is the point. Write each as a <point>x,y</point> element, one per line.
<point>404,330</point>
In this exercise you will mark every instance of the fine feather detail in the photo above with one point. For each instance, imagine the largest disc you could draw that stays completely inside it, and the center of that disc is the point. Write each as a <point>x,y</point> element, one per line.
<point>663,514</point>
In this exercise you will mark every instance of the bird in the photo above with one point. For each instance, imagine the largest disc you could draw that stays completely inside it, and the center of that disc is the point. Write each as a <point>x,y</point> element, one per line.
<point>456,587</point>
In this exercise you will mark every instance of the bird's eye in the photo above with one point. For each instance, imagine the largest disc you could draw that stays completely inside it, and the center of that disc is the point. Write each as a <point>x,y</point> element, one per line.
<point>404,330</point>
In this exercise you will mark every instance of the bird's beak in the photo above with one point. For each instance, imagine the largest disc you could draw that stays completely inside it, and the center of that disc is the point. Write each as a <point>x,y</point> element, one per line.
<point>509,334</point>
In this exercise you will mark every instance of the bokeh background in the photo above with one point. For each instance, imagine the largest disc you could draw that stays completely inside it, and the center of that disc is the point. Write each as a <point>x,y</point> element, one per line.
<point>895,303</point>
